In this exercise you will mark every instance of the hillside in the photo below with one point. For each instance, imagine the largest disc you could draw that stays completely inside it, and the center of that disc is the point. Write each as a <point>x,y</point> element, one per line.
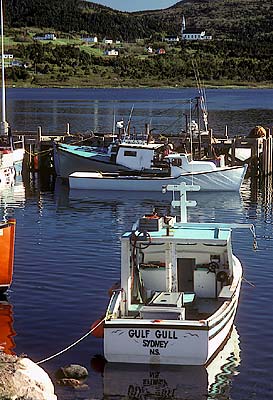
<point>247,19</point>
<point>239,54</point>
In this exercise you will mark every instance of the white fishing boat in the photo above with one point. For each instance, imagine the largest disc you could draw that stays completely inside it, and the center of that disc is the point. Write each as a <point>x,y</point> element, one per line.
<point>180,169</point>
<point>179,290</point>
<point>125,156</point>
<point>11,152</point>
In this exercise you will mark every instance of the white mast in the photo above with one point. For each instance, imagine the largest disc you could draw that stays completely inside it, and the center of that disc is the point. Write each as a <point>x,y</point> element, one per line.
<point>4,124</point>
<point>182,201</point>
<point>183,26</point>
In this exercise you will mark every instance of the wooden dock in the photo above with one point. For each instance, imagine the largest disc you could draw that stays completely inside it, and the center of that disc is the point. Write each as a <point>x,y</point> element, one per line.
<point>257,152</point>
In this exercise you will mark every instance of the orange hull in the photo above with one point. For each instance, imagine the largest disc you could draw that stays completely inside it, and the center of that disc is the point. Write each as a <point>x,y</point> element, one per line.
<point>7,238</point>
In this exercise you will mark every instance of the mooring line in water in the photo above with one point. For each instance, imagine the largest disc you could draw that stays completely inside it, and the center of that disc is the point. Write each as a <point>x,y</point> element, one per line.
<point>250,284</point>
<point>73,344</point>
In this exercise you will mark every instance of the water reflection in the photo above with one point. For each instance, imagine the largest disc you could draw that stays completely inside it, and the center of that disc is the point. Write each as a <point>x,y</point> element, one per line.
<point>12,197</point>
<point>7,333</point>
<point>136,381</point>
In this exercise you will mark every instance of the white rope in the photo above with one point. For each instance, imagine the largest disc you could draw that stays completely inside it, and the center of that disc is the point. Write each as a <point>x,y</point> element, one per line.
<point>72,345</point>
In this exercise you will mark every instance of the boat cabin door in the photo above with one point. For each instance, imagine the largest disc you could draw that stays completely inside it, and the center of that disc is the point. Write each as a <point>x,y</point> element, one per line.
<point>185,268</point>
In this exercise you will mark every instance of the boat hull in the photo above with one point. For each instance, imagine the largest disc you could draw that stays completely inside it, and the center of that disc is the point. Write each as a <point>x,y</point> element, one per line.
<point>169,342</point>
<point>172,381</point>
<point>7,238</point>
<point>223,179</point>
<point>66,162</point>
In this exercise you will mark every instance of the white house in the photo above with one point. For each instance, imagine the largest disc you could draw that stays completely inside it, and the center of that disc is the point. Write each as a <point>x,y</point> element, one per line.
<point>7,56</point>
<point>195,34</point>
<point>92,39</point>
<point>111,52</point>
<point>108,41</point>
<point>46,36</point>
<point>172,39</point>
<point>7,59</point>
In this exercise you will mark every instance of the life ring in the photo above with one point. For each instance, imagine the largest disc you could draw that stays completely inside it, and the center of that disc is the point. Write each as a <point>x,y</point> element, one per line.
<point>222,276</point>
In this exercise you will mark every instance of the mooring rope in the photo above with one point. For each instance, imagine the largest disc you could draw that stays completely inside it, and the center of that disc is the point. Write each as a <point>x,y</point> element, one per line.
<point>248,282</point>
<point>71,345</point>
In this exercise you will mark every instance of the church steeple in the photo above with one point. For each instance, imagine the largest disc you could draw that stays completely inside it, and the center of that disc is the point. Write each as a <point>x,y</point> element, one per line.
<point>183,26</point>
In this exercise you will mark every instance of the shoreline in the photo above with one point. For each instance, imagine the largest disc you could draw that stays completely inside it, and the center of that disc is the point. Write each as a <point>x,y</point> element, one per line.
<point>217,87</point>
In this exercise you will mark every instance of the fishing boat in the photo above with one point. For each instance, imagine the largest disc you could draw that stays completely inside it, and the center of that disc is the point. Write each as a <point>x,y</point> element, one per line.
<point>11,151</point>
<point>7,238</point>
<point>181,168</point>
<point>7,171</point>
<point>179,290</point>
<point>128,155</point>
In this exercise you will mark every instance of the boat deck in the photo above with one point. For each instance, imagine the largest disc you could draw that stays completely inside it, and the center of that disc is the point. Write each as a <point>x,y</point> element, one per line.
<point>198,309</point>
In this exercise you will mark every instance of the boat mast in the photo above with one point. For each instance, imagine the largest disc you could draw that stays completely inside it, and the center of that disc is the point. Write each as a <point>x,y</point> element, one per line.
<point>182,202</point>
<point>4,124</point>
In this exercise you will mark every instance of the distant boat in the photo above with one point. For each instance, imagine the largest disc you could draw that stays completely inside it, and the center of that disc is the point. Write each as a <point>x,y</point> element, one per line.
<point>181,169</point>
<point>179,290</point>
<point>11,152</point>
<point>7,238</point>
<point>7,170</point>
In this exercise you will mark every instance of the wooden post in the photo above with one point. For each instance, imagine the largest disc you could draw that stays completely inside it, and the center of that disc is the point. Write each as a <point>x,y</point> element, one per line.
<point>266,158</point>
<point>210,143</point>
<point>270,150</point>
<point>233,147</point>
<point>36,159</point>
<point>254,157</point>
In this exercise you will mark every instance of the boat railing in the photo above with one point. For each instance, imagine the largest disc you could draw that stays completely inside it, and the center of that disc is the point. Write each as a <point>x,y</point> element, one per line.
<point>114,305</point>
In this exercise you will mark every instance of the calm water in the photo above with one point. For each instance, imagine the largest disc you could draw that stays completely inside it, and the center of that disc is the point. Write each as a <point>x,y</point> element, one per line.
<point>67,255</point>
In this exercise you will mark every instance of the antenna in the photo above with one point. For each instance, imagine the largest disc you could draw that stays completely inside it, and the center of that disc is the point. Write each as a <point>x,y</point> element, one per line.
<point>183,203</point>
<point>127,130</point>
<point>4,124</point>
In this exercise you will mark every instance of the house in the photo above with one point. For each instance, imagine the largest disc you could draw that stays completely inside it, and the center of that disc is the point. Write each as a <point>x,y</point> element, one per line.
<point>46,36</point>
<point>160,51</point>
<point>195,34</point>
<point>17,63</point>
<point>92,39</point>
<point>111,52</point>
<point>107,41</point>
<point>7,56</point>
<point>7,59</point>
<point>172,39</point>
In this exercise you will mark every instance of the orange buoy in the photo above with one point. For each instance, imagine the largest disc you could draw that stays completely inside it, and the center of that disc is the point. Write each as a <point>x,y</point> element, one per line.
<point>36,162</point>
<point>98,328</point>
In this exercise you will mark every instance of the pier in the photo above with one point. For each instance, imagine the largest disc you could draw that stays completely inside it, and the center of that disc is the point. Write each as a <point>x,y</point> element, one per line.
<point>257,152</point>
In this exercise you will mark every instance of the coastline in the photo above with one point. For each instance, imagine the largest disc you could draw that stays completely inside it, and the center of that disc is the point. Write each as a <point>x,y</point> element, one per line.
<point>137,85</point>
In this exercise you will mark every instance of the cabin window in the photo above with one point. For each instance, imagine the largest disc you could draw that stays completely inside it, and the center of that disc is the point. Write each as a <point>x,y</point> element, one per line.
<point>129,153</point>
